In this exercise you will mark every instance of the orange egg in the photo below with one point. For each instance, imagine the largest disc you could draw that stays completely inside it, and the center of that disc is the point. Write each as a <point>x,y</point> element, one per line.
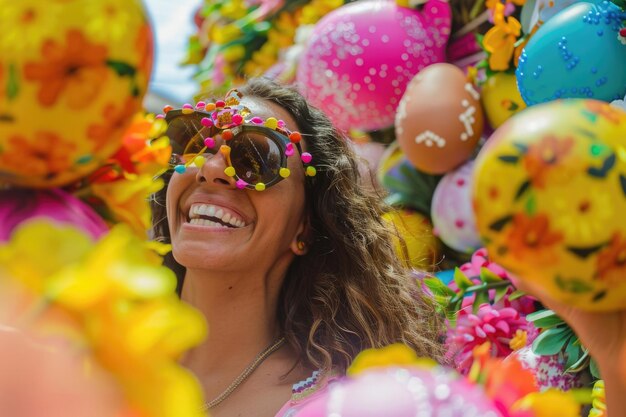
<point>439,120</point>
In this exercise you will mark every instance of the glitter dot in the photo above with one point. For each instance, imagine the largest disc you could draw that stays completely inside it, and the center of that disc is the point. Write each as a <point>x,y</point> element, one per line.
<point>384,67</point>
<point>385,38</point>
<point>359,61</point>
<point>371,87</point>
<point>382,74</point>
<point>336,62</point>
<point>367,79</point>
<point>395,83</point>
<point>409,65</point>
<point>397,91</point>
<point>406,43</point>
<point>372,29</point>
<point>365,42</point>
<point>372,71</point>
<point>404,57</point>
<point>442,392</point>
<point>356,87</point>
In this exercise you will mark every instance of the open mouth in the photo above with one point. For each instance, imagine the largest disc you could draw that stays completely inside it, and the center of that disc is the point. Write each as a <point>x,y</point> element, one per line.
<point>213,216</point>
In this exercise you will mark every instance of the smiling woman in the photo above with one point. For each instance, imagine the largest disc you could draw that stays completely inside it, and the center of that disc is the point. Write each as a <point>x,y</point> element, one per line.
<point>296,276</point>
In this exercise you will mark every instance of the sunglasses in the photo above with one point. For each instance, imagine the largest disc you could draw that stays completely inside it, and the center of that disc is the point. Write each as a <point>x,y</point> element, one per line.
<point>255,150</point>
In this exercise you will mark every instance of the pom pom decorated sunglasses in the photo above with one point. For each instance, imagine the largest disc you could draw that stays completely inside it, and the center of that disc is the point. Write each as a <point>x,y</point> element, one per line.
<point>255,150</point>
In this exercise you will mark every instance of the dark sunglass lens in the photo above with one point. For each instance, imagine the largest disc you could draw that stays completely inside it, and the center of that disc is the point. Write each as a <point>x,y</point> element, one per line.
<point>255,157</point>
<point>187,135</point>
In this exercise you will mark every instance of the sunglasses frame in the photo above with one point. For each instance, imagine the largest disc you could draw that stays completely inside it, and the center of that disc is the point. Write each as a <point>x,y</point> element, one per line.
<point>271,129</point>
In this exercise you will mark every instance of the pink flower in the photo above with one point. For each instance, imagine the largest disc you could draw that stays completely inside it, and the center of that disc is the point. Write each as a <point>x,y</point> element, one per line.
<point>489,324</point>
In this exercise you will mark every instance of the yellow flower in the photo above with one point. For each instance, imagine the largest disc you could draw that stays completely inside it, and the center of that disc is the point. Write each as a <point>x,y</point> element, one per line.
<point>122,300</point>
<point>396,354</point>
<point>519,340</point>
<point>224,34</point>
<point>598,400</point>
<point>39,249</point>
<point>111,19</point>
<point>26,24</point>
<point>127,200</point>
<point>234,9</point>
<point>500,40</point>
<point>548,404</point>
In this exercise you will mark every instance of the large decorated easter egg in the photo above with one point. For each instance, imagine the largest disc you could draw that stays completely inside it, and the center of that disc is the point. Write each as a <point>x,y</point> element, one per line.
<point>575,54</point>
<point>72,74</point>
<point>452,212</point>
<point>550,198</point>
<point>500,98</point>
<point>361,56</point>
<point>419,247</point>
<point>439,120</point>
<point>19,205</point>
<point>402,392</point>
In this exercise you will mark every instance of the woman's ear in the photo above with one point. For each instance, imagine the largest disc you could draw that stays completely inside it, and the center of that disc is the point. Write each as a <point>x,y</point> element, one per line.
<point>302,240</point>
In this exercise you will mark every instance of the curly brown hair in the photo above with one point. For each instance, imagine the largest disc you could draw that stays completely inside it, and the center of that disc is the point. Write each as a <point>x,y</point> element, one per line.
<point>350,291</point>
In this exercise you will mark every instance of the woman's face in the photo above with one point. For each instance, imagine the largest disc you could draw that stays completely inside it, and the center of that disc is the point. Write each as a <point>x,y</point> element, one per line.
<point>264,225</point>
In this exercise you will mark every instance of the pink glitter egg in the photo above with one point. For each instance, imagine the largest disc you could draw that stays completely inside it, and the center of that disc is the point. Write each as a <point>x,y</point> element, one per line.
<point>361,57</point>
<point>20,205</point>
<point>402,392</point>
<point>452,213</point>
<point>549,371</point>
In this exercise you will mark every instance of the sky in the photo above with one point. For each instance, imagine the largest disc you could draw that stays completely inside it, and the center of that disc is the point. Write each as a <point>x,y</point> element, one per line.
<point>172,21</point>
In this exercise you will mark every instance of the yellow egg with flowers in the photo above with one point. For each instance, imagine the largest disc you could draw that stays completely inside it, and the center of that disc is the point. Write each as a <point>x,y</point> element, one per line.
<point>501,98</point>
<point>420,248</point>
<point>72,75</point>
<point>550,197</point>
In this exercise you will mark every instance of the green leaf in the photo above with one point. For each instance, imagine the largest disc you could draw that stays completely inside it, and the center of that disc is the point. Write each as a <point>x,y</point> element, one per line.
<point>462,280</point>
<point>509,159</point>
<point>13,85</point>
<point>544,319</point>
<point>516,294</point>
<point>500,293</point>
<point>482,297</point>
<point>438,288</point>
<point>121,68</point>
<point>489,277</point>
<point>593,368</point>
<point>551,341</point>
<point>580,363</point>
<point>522,189</point>
<point>531,205</point>
<point>573,353</point>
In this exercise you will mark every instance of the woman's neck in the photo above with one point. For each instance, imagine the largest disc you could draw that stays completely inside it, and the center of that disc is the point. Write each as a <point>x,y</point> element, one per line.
<point>241,314</point>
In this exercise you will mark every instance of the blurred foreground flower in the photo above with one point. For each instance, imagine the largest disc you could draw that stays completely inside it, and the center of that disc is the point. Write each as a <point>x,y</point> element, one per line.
<point>116,302</point>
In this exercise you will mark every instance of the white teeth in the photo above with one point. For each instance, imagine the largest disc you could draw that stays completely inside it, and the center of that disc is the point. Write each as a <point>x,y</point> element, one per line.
<point>198,210</point>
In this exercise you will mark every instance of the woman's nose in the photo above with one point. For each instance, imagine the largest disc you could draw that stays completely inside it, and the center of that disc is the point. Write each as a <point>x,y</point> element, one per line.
<point>211,171</point>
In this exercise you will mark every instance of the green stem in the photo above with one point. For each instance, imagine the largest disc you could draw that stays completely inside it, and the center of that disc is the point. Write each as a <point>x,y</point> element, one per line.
<point>481,287</point>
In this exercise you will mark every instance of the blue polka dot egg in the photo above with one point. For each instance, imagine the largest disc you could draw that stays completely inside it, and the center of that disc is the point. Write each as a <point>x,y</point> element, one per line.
<point>576,54</point>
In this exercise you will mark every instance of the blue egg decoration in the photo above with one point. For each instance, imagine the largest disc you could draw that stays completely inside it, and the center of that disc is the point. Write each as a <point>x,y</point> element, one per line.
<point>575,54</point>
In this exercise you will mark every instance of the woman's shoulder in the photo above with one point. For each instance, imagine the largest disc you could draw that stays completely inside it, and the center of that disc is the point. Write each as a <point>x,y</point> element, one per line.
<point>307,390</point>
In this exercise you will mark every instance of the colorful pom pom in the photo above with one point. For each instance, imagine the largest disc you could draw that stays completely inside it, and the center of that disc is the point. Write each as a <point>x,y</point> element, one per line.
<point>209,142</point>
<point>259,187</point>
<point>295,137</point>
<point>289,149</point>
<point>180,169</point>
<point>209,107</point>
<point>225,150</point>
<point>199,161</point>
<point>306,157</point>
<point>241,184</point>
<point>272,123</point>
<point>160,116</point>
<point>200,105</point>
<point>220,103</point>
<point>227,134</point>
<point>230,171</point>
<point>237,119</point>
<point>284,172</point>
<point>206,122</point>
<point>256,120</point>
<point>167,108</point>
<point>187,110</point>
<point>310,171</point>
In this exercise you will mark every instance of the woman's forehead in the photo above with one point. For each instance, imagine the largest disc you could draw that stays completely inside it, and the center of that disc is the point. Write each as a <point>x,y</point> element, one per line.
<point>265,109</point>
